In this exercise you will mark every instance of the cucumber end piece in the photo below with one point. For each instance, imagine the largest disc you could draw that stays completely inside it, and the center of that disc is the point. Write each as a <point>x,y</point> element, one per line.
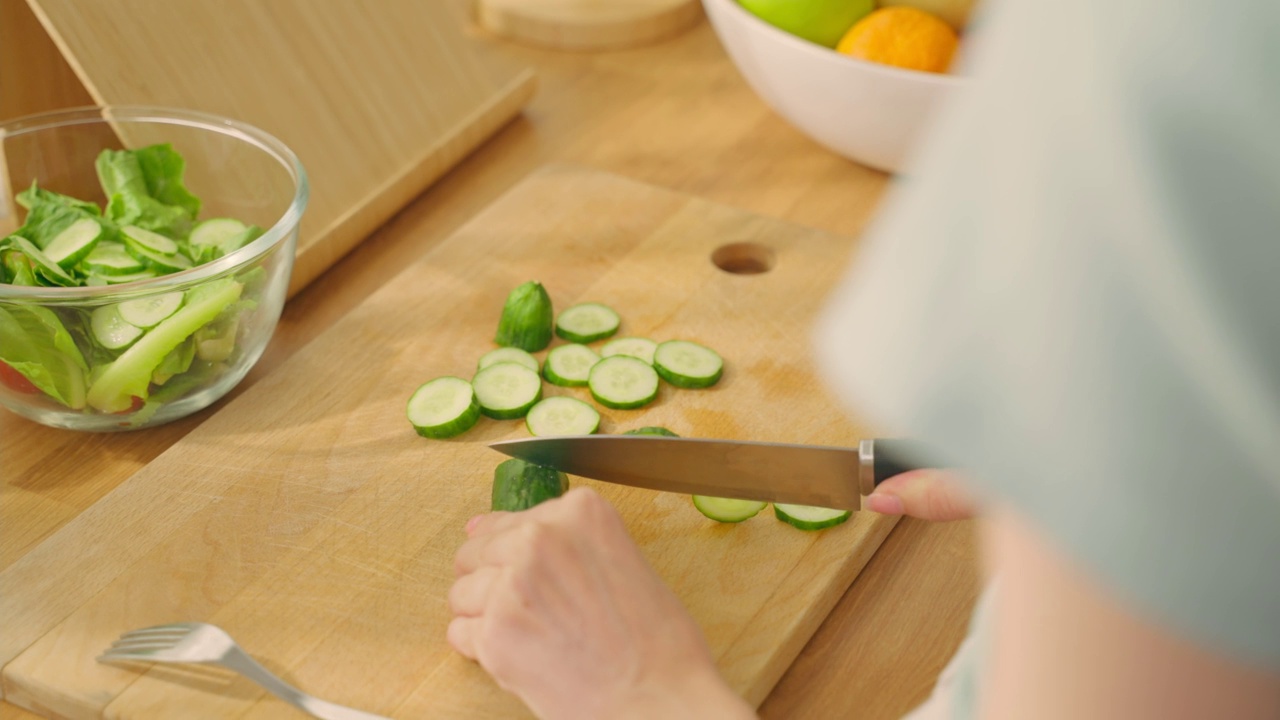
<point>727,510</point>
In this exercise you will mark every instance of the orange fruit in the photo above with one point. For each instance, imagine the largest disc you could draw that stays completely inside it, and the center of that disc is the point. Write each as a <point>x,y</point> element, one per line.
<point>903,37</point>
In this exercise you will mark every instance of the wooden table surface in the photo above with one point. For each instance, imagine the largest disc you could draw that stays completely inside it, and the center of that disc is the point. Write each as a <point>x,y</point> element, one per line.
<point>677,115</point>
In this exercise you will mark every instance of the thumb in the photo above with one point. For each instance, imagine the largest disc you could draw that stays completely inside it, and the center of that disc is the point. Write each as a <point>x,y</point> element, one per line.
<point>924,494</point>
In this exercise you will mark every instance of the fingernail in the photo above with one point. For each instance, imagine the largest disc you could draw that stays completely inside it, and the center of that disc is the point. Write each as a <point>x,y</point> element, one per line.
<point>885,504</point>
<point>471,524</point>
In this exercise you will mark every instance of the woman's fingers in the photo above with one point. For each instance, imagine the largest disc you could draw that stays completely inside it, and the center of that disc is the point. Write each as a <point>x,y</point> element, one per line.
<point>462,635</point>
<point>924,494</point>
<point>470,593</point>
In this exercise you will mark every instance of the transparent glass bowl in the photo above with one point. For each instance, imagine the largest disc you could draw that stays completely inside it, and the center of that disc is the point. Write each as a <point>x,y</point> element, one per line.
<point>54,371</point>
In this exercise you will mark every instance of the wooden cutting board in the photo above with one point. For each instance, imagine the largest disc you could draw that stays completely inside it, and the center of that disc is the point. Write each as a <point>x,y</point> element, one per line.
<point>307,519</point>
<point>377,98</point>
<point>588,24</point>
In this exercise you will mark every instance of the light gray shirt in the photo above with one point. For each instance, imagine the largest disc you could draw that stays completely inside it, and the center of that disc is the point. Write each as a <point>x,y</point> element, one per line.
<point>1075,297</point>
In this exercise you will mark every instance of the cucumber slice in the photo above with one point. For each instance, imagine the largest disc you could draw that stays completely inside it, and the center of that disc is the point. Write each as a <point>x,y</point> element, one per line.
<point>443,407</point>
<point>110,258</point>
<point>727,510</point>
<point>636,347</point>
<point>562,416</point>
<point>623,382</point>
<point>73,243</point>
<point>149,311</point>
<point>145,274</point>
<point>508,354</point>
<point>221,233</point>
<point>507,390</point>
<point>519,485</point>
<point>587,322</point>
<point>569,365</point>
<point>41,264</point>
<point>148,240</point>
<point>159,262</point>
<point>688,365</point>
<point>110,330</point>
<point>526,318</point>
<point>808,517</point>
<point>651,430</point>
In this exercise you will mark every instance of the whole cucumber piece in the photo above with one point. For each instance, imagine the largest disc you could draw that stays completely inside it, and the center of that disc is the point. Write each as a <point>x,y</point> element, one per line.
<point>519,485</point>
<point>526,321</point>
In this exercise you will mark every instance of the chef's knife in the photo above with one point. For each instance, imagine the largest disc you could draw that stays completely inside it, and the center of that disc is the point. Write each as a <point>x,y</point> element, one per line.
<point>831,477</point>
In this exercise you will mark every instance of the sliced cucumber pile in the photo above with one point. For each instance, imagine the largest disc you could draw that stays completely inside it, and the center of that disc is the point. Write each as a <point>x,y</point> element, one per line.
<point>569,365</point>
<point>727,510</point>
<point>808,517</point>
<point>443,408</point>
<point>587,322</point>
<point>620,375</point>
<point>562,416</point>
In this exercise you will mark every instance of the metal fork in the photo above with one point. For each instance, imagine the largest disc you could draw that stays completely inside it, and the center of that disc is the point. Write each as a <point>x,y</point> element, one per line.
<point>210,644</point>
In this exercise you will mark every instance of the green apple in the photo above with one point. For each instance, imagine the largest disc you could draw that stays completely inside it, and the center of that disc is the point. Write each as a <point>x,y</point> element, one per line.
<point>954,12</point>
<point>821,21</point>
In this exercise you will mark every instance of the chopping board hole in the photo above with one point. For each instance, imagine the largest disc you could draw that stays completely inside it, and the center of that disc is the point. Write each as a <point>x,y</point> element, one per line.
<point>743,258</point>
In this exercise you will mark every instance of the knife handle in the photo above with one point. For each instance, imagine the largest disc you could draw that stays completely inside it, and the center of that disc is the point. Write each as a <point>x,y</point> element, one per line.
<point>879,460</point>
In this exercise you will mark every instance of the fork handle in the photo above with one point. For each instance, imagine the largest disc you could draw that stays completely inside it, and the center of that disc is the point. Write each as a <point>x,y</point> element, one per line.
<point>240,661</point>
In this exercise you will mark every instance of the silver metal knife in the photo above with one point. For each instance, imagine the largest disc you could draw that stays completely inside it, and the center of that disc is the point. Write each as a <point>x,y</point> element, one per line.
<point>831,477</point>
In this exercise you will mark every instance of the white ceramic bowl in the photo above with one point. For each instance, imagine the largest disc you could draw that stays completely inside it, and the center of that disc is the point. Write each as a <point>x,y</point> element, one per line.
<point>868,112</point>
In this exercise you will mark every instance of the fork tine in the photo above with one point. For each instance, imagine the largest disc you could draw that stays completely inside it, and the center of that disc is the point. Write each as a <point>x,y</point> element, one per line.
<point>179,628</point>
<point>152,636</point>
<point>132,646</point>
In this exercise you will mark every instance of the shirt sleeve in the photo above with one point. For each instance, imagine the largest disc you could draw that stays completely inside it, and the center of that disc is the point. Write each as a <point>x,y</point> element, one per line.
<point>1075,297</point>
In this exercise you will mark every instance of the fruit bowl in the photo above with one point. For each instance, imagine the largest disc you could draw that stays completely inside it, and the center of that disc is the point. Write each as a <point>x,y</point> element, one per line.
<point>870,113</point>
<point>160,288</point>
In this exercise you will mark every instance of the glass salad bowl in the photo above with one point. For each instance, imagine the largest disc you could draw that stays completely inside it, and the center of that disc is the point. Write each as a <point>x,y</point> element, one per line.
<point>145,256</point>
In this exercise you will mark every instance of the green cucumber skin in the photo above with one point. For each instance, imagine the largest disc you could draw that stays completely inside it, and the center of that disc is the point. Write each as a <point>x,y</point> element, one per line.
<point>721,518</point>
<point>526,321</point>
<point>651,430</point>
<point>681,381</point>
<point>621,405</point>
<point>520,485</point>
<point>452,429</point>
<point>810,526</point>
<point>584,339</point>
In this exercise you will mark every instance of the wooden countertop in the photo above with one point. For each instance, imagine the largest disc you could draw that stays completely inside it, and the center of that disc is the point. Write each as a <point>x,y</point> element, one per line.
<point>676,115</point>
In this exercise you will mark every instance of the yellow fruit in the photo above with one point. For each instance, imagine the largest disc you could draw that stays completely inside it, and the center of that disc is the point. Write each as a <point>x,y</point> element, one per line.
<point>903,37</point>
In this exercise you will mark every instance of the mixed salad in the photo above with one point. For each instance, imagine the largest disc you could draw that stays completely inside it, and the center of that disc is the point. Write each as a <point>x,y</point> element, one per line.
<point>137,354</point>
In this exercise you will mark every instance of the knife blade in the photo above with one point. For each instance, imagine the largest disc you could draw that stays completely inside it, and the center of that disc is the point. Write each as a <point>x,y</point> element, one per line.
<point>831,477</point>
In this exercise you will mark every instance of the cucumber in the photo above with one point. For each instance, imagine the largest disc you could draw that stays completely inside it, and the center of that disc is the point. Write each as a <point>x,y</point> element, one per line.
<point>519,485</point>
<point>727,510</point>
<point>41,264</point>
<point>808,517</point>
<point>149,311</point>
<point>569,365</point>
<point>636,347</point>
<point>160,262</point>
<point>526,318</point>
<point>507,390</point>
<point>148,240</point>
<point>110,330</point>
<point>623,382</point>
<point>145,274</point>
<point>562,416</point>
<point>110,258</point>
<point>443,408</point>
<point>221,233</point>
<point>73,243</point>
<point>651,430</point>
<point>508,354</point>
<point>587,322</point>
<point>688,365</point>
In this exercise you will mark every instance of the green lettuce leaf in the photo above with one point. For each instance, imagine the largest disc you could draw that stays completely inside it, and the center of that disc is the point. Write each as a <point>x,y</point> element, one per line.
<point>144,187</point>
<point>34,342</point>
<point>49,213</point>
<point>35,196</point>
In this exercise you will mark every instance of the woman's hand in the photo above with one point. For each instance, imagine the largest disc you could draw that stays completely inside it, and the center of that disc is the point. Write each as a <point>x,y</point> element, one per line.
<point>557,604</point>
<point>924,494</point>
